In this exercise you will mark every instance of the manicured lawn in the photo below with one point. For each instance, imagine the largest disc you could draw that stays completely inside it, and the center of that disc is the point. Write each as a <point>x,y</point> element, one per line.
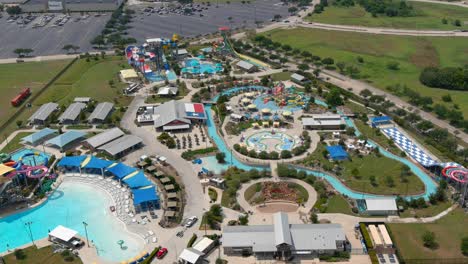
<point>39,256</point>
<point>412,53</point>
<point>429,16</point>
<point>338,204</point>
<point>377,136</point>
<point>370,165</point>
<point>14,144</point>
<point>90,79</point>
<point>426,212</point>
<point>16,76</point>
<point>281,76</point>
<point>251,191</point>
<point>448,234</point>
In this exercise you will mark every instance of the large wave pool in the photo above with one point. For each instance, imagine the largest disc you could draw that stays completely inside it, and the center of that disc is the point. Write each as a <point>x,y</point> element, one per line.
<point>259,141</point>
<point>70,205</point>
<point>195,66</point>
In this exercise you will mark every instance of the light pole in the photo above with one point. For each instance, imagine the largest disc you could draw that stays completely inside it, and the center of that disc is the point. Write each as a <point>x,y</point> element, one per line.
<point>28,224</point>
<point>86,232</point>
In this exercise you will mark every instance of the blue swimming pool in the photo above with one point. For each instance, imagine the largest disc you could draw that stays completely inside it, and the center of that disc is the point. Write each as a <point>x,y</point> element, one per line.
<point>195,66</point>
<point>263,102</point>
<point>430,186</point>
<point>70,205</point>
<point>32,160</point>
<point>284,141</point>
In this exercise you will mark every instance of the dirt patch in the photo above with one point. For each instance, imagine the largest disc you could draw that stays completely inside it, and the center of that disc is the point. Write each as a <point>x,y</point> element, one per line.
<point>425,55</point>
<point>272,208</point>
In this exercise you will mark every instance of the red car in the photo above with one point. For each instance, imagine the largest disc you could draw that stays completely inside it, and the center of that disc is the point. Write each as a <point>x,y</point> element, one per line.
<point>161,253</point>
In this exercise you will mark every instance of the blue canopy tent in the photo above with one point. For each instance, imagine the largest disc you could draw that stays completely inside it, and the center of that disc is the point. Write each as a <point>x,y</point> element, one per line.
<point>136,180</point>
<point>71,163</point>
<point>337,152</point>
<point>380,120</point>
<point>66,138</point>
<point>93,163</point>
<point>145,196</point>
<point>121,170</point>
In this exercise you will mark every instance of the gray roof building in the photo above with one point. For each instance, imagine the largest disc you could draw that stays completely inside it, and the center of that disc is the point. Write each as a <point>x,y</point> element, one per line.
<point>323,120</point>
<point>168,90</point>
<point>104,137</point>
<point>43,112</point>
<point>282,236</point>
<point>247,66</point>
<point>71,5</point>
<point>82,100</point>
<point>72,112</point>
<point>118,146</point>
<point>101,112</point>
<point>175,115</point>
<point>298,78</point>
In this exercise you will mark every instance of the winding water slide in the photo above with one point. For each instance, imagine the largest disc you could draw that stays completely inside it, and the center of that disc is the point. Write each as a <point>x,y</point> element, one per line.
<point>228,44</point>
<point>33,172</point>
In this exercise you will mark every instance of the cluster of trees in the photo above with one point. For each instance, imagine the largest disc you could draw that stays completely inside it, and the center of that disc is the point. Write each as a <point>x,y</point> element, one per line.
<point>13,10</point>
<point>214,217</point>
<point>234,178</point>
<point>451,78</point>
<point>114,29</point>
<point>23,52</point>
<point>166,139</point>
<point>388,8</point>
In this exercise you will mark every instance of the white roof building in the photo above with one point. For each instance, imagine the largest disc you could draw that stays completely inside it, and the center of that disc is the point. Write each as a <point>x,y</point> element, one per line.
<point>168,90</point>
<point>204,245</point>
<point>381,206</point>
<point>63,233</point>
<point>190,256</point>
<point>247,66</point>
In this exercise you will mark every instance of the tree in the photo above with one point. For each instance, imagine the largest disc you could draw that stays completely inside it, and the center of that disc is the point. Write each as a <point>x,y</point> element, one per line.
<point>328,61</point>
<point>243,219</point>
<point>355,173</point>
<point>13,10</point>
<point>22,52</point>
<point>98,40</point>
<point>372,180</point>
<point>277,17</point>
<point>19,123</point>
<point>447,98</point>
<point>389,181</point>
<point>360,59</point>
<point>429,240</point>
<point>67,47</point>
<point>292,9</point>
<point>457,22</point>
<point>303,67</point>
<point>464,246</point>
<point>286,154</point>
<point>393,65</point>
<point>341,66</point>
<point>314,218</point>
<point>220,156</point>
<point>333,98</point>
<point>316,72</point>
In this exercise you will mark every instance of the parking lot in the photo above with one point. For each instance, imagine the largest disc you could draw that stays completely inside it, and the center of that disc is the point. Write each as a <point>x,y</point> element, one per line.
<point>49,39</point>
<point>148,25</point>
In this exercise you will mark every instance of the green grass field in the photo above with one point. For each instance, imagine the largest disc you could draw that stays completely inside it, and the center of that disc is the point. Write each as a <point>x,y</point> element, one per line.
<point>15,144</point>
<point>16,76</point>
<point>448,234</point>
<point>338,204</point>
<point>429,16</point>
<point>432,210</point>
<point>367,166</point>
<point>39,256</point>
<point>412,53</point>
<point>89,79</point>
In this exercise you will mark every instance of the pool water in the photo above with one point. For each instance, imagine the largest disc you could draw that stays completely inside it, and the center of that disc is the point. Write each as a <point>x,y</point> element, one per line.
<point>171,75</point>
<point>261,103</point>
<point>70,205</point>
<point>33,160</point>
<point>195,66</point>
<point>286,142</point>
<point>430,186</point>
<point>211,163</point>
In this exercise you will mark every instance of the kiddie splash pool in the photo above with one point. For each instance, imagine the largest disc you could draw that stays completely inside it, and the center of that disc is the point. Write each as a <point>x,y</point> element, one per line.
<point>271,141</point>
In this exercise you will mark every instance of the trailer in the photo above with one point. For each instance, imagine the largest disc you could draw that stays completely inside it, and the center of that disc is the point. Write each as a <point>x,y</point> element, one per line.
<point>25,93</point>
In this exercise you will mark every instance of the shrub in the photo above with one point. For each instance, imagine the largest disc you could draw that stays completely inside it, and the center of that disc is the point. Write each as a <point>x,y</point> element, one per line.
<point>464,246</point>
<point>366,236</point>
<point>429,240</point>
<point>192,240</point>
<point>19,254</point>
<point>286,154</point>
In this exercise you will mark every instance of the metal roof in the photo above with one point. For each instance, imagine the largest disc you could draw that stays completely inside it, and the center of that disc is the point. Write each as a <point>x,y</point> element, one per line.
<point>300,236</point>
<point>82,99</point>
<point>121,144</point>
<point>166,90</point>
<point>245,65</point>
<point>105,137</point>
<point>101,111</point>
<point>44,112</point>
<point>297,77</point>
<point>190,255</point>
<point>72,112</point>
<point>281,226</point>
<point>65,138</point>
<point>381,204</point>
<point>321,122</point>
<point>169,112</point>
<point>33,138</point>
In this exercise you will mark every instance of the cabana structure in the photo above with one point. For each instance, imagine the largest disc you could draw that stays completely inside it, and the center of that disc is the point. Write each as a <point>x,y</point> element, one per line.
<point>103,138</point>
<point>65,139</point>
<point>66,237</point>
<point>337,152</point>
<point>120,170</point>
<point>100,113</point>
<point>71,114</point>
<point>92,163</point>
<point>39,136</point>
<point>137,179</point>
<point>72,163</point>
<point>381,206</point>
<point>145,197</point>
<point>380,120</point>
<point>122,145</point>
<point>42,114</point>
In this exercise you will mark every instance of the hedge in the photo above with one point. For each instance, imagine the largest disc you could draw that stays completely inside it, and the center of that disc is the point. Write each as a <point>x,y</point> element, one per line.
<point>150,258</point>
<point>190,154</point>
<point>192,240</point>
<point>366,236</point>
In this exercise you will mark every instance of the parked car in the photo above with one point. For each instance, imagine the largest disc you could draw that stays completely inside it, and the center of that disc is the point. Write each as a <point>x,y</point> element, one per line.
<point>161,253</point>
<point>191,221</point>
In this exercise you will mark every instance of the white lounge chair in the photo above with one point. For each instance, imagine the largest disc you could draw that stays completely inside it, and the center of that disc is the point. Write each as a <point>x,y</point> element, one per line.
<point>155,240</point>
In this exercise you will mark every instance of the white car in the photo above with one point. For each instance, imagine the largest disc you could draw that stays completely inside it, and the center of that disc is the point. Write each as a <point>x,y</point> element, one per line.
<point>191,221</point>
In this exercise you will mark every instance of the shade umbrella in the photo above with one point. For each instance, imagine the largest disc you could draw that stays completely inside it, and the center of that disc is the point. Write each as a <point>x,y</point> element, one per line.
<point>266,110</point>
<point>252,106</point>
<point>245,100</point>
<point>287,113</point>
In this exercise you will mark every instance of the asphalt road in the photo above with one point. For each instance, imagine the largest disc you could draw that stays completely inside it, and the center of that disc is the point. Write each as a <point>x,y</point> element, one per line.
<point>49,40</point>
<point>243,15</point>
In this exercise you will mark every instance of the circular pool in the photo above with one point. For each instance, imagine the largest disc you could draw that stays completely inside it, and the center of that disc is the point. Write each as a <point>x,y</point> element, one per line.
<point>271,141</point>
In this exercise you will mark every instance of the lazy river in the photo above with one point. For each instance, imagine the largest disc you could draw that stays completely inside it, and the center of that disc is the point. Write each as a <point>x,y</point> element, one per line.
<point>430,186</point>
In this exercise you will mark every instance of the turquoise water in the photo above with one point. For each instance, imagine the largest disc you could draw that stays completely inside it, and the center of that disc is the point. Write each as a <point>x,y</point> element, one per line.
<point>260,103</point>
<point>286,142</point>
<point>194,66</point>
<point>32,160</point>
<point>171,76</point>
<point>340,187</point>
<point>70,205</point>
<point>211,163</point>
